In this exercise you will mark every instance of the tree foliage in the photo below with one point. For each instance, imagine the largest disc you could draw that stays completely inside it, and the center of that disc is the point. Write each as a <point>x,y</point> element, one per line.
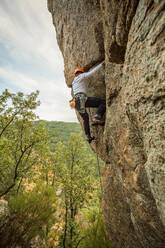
<point>49,189</point>
<point>94,234</point>
<point>74,171</point>
<point>31,215</point>
<point>63,131</point>
<point>19,140</point>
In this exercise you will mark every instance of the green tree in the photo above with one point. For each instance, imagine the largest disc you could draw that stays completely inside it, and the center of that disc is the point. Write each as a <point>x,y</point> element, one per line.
<point>19,140</point>
<point>95,235</point>
<point>74,170</point>
<point>67,170</point>
<point>31,215</point>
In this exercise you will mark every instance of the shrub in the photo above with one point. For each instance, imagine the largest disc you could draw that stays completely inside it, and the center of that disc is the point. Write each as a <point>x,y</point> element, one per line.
<point>31,215</point>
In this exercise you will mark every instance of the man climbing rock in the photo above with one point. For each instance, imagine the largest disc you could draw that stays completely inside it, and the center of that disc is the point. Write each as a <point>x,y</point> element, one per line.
<point>82,101</point>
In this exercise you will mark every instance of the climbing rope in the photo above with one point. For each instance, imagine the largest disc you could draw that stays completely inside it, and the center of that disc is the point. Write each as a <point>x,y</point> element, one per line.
<point>99,169</point>
<point>103,191</point>
<point>98,162</point>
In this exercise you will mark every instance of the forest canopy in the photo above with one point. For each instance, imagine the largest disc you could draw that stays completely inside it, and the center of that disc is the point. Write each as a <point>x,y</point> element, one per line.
<point>49,180</point>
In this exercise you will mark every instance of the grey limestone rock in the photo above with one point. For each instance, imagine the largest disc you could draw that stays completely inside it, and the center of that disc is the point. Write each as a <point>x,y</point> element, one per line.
<point>130,35</point>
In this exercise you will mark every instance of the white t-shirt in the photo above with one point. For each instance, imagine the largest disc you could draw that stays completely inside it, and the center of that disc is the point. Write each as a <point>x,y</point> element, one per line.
<point>79,82</point>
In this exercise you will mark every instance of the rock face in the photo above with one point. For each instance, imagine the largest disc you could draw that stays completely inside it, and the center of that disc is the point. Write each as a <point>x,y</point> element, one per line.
<point>130,35</point>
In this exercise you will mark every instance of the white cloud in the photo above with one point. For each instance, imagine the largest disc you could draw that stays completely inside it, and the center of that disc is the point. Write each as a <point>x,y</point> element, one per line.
<point>54,96</point>
<point>27,27</point>
<point>28,35</point>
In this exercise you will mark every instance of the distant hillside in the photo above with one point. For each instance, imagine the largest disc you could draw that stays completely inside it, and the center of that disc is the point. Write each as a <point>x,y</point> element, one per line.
<point>62,129</point>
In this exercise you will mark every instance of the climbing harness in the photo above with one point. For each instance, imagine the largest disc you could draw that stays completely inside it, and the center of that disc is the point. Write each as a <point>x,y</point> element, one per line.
<point>80,100</point>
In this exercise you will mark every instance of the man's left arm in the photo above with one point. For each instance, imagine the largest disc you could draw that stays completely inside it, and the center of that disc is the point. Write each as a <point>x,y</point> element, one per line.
<point>93,71</point>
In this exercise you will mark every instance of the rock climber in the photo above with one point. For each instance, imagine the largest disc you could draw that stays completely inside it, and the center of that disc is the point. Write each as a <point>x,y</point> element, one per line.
<point>82,101</point>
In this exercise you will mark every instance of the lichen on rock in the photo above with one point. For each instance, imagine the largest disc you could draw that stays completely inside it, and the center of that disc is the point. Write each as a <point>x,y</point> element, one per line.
<point>130,35</point>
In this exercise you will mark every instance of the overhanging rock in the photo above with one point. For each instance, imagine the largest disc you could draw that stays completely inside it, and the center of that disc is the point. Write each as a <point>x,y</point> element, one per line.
<point>130,35</point>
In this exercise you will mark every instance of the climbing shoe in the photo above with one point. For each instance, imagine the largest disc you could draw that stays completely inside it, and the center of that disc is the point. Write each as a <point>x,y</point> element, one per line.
<point>97,117</point>
<point>89,139</point>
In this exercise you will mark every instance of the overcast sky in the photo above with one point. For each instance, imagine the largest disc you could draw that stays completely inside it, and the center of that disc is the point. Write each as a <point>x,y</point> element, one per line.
<point>30,59</point>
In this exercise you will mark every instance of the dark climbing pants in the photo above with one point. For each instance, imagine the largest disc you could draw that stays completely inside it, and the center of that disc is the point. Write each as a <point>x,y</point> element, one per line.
<point>92,102</point>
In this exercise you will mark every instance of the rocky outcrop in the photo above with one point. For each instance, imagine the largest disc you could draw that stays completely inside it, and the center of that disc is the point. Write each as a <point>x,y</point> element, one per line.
<point>130,35</point>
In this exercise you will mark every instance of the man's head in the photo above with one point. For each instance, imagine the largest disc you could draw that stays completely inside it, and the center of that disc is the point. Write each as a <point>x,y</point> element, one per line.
<point>78,71</point>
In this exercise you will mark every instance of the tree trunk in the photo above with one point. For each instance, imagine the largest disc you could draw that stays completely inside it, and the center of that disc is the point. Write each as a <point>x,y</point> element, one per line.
<point>66,224</point>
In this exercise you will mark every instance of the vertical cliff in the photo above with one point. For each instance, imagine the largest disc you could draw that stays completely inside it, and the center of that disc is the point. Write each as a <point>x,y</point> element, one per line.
<point>130,35</point>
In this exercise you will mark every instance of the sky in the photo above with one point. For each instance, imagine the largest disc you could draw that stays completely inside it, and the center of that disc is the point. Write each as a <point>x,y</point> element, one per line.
<point>30,59</point>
